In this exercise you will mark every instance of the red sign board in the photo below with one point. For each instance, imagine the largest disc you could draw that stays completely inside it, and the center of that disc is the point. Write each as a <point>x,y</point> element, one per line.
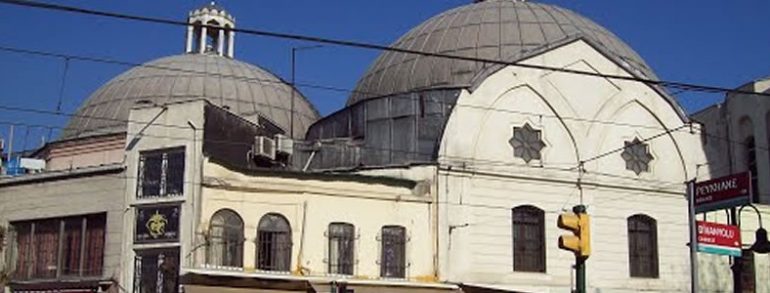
<point>724,192</point>
<point>719,238</point>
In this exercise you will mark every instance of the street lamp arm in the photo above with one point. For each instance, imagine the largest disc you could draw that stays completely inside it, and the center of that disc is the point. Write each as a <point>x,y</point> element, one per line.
<point>759,215</point>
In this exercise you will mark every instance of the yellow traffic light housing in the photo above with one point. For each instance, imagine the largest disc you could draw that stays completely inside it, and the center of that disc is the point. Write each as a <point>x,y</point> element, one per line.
<point>579,224</point>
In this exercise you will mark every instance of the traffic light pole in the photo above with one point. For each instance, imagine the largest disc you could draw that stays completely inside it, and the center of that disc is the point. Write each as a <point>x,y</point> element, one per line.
<point>580,267</point>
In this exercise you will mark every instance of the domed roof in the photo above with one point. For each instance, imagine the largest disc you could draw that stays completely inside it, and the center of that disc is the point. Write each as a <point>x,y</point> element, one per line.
<point>246,89</point>
<point>507,30</point>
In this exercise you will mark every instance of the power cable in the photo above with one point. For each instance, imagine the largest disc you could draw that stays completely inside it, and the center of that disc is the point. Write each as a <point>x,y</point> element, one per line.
<point>460,161</point>
<point>307,85</point>
<point>347,43</point>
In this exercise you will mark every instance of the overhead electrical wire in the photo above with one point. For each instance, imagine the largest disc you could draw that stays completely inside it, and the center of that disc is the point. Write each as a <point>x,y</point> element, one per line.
<point>679,85</point>
<point>454,161</point>
<point>355,44</point>
<point>250,79</point>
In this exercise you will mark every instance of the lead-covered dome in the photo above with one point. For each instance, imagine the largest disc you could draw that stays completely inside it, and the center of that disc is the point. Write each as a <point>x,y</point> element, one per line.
<point>208,71</point>
<point>245,89</point>
<point>506,30</point>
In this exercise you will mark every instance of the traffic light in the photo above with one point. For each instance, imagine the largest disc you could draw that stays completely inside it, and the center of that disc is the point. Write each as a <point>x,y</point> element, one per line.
<point>579,223</point>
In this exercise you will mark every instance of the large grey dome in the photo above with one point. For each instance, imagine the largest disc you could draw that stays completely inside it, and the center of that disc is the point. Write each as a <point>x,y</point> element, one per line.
<point>506,30</point>
<point>247,90</point>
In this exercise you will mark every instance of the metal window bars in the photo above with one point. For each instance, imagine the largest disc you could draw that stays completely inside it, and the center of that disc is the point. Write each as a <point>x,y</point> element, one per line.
<point>161,173</point>
<point>341,250</point>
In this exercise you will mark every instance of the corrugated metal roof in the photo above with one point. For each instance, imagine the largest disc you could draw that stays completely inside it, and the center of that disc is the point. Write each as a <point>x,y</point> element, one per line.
<point>245,89</point>
<point>506,30</point>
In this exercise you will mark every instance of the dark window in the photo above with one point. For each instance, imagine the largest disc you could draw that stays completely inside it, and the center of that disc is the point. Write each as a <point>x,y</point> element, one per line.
<point>58,248</point>
<point>528,239</point>
<point>393,255</point>
<point>341,248</point>
<point>274,243</point>
<point>161,173</point>
<point>156,271</point>
<point>225,243</point>
<point>643,246</point>
<point>751,163</point>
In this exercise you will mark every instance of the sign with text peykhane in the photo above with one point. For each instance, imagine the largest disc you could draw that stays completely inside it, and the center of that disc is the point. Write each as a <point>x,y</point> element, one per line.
<point>157,224</point>
<point>722,193</point>
<point>719,239</point>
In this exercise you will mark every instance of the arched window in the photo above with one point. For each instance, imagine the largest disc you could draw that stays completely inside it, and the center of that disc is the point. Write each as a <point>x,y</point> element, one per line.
<point>274,243</point>
<point>528,239</point>
<point>341,248</point>
<point>393,252</point>
<point>225,243</point>
<point>212,37</point>
<point>750,148</point>
<point>643,246</point>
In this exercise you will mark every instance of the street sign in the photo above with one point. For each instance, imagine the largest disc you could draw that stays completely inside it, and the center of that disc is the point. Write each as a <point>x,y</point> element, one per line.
<point>722,193</point>
<point>719,239</point>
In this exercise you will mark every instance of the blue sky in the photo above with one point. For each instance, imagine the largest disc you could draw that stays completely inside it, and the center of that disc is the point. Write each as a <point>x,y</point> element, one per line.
<point>713,42</point>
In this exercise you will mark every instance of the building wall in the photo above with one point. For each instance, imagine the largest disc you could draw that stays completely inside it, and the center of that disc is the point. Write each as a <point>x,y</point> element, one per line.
<point>63,197</point>
<point>728,125</point>
<point>310,204</point>
<point>169,126</point>
<point>581,118</point>
<point>88,152</point>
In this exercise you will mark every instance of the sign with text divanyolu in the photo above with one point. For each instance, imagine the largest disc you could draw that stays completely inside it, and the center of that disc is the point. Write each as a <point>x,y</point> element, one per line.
<point>719,239</point>
<point>157,224</point>
<point>722,193</point>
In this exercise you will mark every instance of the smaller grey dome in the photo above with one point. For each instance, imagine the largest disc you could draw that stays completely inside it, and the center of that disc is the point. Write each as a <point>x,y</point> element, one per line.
<point>247,90</point>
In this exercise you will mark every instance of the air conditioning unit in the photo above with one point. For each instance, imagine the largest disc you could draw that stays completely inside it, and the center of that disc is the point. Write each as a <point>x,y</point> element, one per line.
<point>264,147</point>
<point>284,144</point>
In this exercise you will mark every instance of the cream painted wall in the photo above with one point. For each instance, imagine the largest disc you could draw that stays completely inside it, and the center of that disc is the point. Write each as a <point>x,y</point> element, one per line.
<point>486,180</point>
<point>310,204</point>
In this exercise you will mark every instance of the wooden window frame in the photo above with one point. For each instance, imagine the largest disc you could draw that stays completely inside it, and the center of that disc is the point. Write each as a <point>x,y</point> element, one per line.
<point>524,261</point>
<point>634,233</point>
<point>38,256</point>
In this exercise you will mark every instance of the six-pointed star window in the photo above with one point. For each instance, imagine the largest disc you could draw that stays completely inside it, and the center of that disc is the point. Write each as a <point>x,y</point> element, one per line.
<point>527,143</point>
<point>637,156</point>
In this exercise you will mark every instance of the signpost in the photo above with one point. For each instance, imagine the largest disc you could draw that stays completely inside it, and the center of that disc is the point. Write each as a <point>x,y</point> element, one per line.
<point>716,194</point>
<point>722,193</point>
<point>719,239</point>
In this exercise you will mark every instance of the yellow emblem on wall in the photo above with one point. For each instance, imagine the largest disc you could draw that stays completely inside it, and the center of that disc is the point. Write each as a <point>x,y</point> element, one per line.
<point>156,225</point>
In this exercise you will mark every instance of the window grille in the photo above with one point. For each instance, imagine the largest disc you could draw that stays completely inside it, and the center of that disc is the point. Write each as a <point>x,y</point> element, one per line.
<point>58,248</point>
<point>274,243</point>
<point>341,248</point>
<point>161,173</point>
<point>393,252</point>
<point>225,243</point>
<point>643,246</point>
<point>156,271</point>
<point>528,239</point>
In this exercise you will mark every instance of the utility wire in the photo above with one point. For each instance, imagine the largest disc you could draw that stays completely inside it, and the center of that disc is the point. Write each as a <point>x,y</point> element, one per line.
<point>347,43</point>
<point>308,85</point>
<point>453,162</point>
